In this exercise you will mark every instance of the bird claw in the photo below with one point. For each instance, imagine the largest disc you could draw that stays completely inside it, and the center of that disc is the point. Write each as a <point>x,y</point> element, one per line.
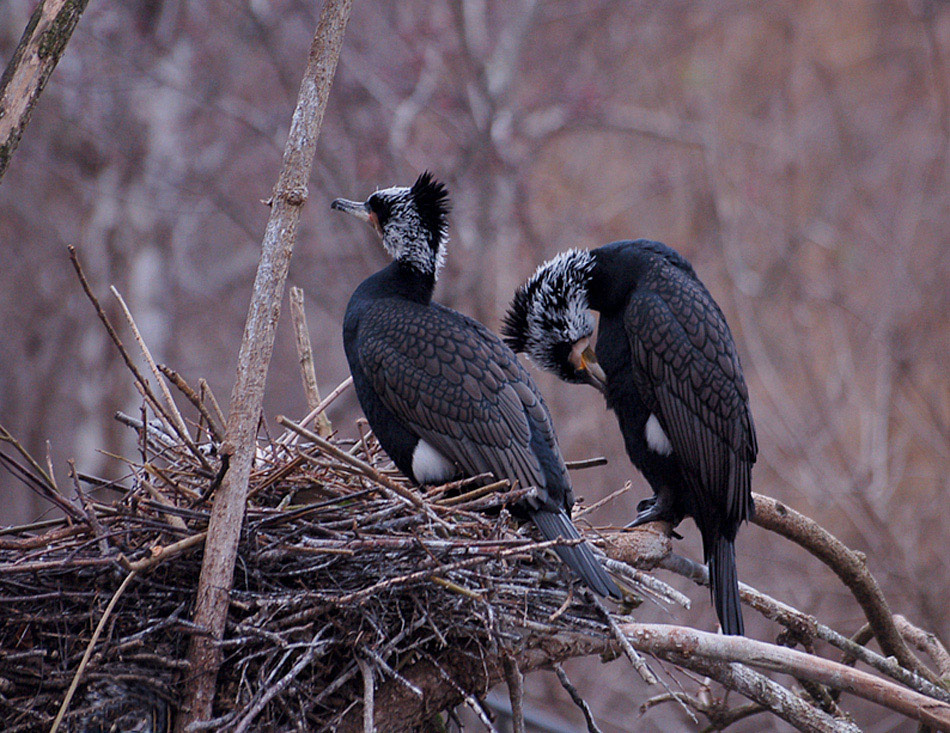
<point>650,510</point>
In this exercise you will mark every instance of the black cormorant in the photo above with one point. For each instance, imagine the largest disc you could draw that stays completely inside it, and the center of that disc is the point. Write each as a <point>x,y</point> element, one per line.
<point>443,394</point>
<point>667,365</point>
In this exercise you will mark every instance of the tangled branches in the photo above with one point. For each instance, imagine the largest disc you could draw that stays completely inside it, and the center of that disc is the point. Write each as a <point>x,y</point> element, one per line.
<point>353,603</point>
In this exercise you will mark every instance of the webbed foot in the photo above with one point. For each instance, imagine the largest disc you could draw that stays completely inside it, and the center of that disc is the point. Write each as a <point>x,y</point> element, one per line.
<point>653,510</point>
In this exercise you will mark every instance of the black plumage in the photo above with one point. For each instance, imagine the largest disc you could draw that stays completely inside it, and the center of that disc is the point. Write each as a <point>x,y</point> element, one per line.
<point>669,369</point>
<point>443,394</point>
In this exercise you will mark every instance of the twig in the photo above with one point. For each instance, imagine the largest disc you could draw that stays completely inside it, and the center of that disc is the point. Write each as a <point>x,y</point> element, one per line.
<point>656,586</point>
<point>638,662</point>
<point>327,401</point>
<point>927,642</point>
<point>456,588</point>
<point>179,381</point>
<point>290,193</point>
<point>165,553</point>
<point>585,463</point>
<point>91,517</point>
<point>7,437</point>
<point>150,430</point>
<point>177,422</point>
<point>369,690</point>
<point>206,390</point>
<point>173,519</point>
<point>140,381</point>
<point>598,504</point>
<point>85,657</point>
<point>576,697</point>
<point>42,481</point>
<point>474,493</point>
<point>305,357</point>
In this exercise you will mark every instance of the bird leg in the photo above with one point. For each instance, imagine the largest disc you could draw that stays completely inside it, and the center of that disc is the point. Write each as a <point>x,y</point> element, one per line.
<point>658,508</point>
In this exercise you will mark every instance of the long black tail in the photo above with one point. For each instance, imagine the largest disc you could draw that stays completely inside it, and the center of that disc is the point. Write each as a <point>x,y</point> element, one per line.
<point>579,558</point>
<point>724,586</point>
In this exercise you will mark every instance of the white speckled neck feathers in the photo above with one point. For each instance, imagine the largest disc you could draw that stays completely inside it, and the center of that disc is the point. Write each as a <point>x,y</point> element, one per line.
<point>413,223</point>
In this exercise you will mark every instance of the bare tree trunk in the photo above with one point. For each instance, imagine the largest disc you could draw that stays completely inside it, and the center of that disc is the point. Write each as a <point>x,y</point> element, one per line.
<point>227,516</point>
<point>37,54</point>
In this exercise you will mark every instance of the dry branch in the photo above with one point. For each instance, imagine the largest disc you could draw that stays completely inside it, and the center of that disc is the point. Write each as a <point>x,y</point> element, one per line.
<point>289,196</point>
<point>806,628</point>
<point>661,639</point>
<point>41,46</point>
<point>850,567</point>
<point>305,357</point>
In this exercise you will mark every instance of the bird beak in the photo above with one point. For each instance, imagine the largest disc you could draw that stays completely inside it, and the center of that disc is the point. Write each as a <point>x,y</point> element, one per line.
<point>584,361</point>
<point>358,209</point>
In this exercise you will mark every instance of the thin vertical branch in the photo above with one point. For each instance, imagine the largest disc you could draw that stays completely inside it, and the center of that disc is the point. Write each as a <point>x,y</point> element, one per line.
<point>515,681</point>
<point>305,357</point>
<point>227,516</point>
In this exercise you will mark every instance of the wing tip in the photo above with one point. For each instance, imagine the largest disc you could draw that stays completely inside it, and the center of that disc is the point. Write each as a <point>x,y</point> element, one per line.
<point>579,558</point>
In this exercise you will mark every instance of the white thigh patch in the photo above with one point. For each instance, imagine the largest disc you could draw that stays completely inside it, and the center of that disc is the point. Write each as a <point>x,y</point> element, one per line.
<point>656,438</point>
<point>429,466</point>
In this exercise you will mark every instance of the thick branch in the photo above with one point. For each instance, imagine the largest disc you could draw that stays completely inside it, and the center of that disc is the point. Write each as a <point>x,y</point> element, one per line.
<point>37,54</point>
<point>848,565</point>
<point>396,701</point>
<point>290,194</point>
<point>709,654</point>
<point>661,639</point>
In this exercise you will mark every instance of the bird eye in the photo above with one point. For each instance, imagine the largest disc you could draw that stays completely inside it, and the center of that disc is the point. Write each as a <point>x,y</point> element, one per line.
<point>380,207</point>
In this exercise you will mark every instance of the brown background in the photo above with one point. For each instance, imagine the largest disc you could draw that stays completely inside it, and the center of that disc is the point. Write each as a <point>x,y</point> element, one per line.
<point>795,152</point>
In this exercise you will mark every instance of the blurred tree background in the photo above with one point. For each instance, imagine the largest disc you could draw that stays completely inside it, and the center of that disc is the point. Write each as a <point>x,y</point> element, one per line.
<point>796,152</point>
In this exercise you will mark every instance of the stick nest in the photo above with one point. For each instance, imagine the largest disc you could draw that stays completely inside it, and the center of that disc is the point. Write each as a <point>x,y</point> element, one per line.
<point>336,572</point>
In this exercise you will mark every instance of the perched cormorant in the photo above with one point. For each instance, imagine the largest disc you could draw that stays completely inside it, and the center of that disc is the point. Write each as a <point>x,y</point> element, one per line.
<point>667,365</point>
<point>443,394</point>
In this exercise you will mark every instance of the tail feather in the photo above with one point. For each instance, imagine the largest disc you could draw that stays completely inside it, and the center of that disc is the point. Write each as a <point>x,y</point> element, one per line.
<point>724,586</point>
<point>579,558</point>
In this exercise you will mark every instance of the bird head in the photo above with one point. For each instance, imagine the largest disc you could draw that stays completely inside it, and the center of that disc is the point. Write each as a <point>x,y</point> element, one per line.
<point>550,321</point>
<point>411,220</point>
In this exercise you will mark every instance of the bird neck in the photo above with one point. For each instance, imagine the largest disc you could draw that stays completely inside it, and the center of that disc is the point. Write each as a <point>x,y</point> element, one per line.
<point>405,280</point>
<point>413,250</point>
<point>612,278</point>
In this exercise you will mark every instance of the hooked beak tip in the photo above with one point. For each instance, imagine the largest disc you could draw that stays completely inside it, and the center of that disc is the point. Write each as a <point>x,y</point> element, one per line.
<point>596,377</point>
<point>591,371</point>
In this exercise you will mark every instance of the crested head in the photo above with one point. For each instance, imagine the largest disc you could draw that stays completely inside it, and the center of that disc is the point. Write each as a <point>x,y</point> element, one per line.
<point>412,221</point>
<point>549,314</point>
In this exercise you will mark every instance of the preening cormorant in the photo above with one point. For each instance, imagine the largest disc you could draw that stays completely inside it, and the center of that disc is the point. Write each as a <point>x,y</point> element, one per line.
<point>667,365</point>
<point>443,394</point>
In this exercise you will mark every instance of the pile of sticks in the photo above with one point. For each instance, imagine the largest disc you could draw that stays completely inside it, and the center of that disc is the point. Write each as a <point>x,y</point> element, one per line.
<point>343,567</point>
